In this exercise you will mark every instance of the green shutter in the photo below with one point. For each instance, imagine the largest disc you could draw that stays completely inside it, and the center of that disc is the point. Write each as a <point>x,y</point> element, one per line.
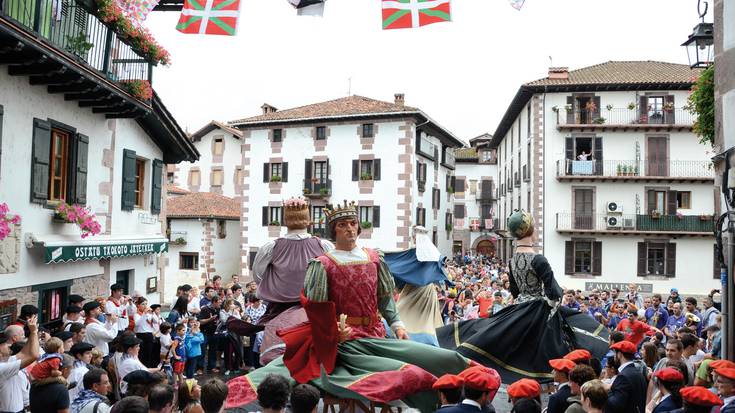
<point>81,148</point>
<point>40,161</point>
<point>156,185</point>
<point>128,180</point>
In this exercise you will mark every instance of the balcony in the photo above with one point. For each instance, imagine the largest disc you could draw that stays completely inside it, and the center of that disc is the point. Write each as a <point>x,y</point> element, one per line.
<point>73,52</point>
<point>634,224</point>
<point>317,189</point>
<point>177,237</point>
<point>635,171</point>
<point>624,119</point>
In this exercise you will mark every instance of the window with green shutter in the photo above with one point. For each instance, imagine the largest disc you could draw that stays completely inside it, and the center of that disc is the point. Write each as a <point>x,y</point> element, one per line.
<point>128,180</point>
<point>156,185</point>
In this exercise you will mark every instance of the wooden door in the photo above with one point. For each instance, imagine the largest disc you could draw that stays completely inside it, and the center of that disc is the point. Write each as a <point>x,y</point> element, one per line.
<point>584,209</point>
<point>657,156</point>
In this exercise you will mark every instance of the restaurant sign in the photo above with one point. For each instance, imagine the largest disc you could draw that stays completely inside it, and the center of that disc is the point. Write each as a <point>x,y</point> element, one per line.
<point>70,253</point>
<point>623,287</point>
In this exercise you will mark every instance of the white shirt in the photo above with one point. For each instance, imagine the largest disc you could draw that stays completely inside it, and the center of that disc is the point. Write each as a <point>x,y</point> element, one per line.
<point>14,386</point>
<point>472,403</point>
<point>69,323</point>
<point>265,253</point>
<point>128,365</point>
<point>77,376</point>
<point>344,257</point>
<point>144,323</point>
<point>101,408</point>
<point>99,334</point>
<point>165,344</point>
<point>193,306</point>
<point>727,401</point>
<point>122,321</point>
<point>696,357</point>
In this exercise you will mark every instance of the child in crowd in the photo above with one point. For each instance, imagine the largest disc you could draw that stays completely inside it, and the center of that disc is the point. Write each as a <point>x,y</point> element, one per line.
<point>194,340</point>
<point>178,351</point>
<point>48,368</point>
<point>165,352</point>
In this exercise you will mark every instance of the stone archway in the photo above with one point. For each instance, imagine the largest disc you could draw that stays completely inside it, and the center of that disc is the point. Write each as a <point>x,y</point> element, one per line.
<point>485,245</point>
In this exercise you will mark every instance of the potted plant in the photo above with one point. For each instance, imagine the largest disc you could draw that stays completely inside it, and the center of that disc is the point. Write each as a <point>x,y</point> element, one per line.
<point>275,223</point>
<point>307,191</point>
<point>324,191</point>
<point>179,241</point>
<point>276,178</point>
<point>555,109</point>
<point>609,107</point>
<point>366,224</point>
<point>598,121</point>
<point>631,106</point>
<point>636,171</point>
<point>669,106</point>
<point>620,169</point>
<point>655,214</point>
<point>679,215</point>
<point>450,189</point>
<point>705,217</point>
<point>449,227</point>
<point>6,219</point>
<point>80,215</point>
<point>366,177</point>
<point>568,108</point>
<point>78,45</point>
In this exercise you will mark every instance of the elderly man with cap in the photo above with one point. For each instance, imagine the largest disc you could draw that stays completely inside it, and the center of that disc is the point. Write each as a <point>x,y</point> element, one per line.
<point>558,401</point>
<point>480,386</point>
<point>13,380</point>
<point>99,333</point>
<point>449,390</point>
<point>698,399</point>
<point>117,305</point>
<point>628,391</point>
<point>725,385</point>
<point>82,354</point>
<point>73,315</point>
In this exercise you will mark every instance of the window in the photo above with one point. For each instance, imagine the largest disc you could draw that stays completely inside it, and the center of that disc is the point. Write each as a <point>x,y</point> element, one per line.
<point>139,182</point>
<point>188,261</point>
<point>170,177</point>
<point>448,221</point>
<point>238,175</point>
<point>659,201</point>
<point>486,156</point>
<point>421,217</point>
<point>684,199</point>
<point>274,215</point>
<point>59,165</point>
<point>459,189</point>
<point>318,218</point>
<point>435,198</point>
<point>52,302</point>
<point>218,147</point>
<point>217,177</point>
<point>369,216</point>
<point>657,258</point>
<point>473,186</point>
<point>367,130</point>
<point>276,171</point>
<point>655,109</point>
<point>321,172</point>
<point>277,135</point>
<point>221,229</point>
<point>194,177</point>
<point>583,257</point>
<point>321,133</point>
<point>366,170</point>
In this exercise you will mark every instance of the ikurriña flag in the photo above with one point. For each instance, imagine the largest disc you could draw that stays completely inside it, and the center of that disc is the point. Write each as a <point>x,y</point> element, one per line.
<point>209,17</point>
<point>405,14</point>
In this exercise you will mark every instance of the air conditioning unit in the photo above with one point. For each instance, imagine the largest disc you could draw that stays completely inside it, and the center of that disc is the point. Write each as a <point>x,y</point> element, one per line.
<point>614,208</point>
<point>614,221</point>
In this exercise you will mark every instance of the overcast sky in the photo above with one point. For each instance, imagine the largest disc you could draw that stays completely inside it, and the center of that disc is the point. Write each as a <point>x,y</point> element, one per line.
<point>463,73</point>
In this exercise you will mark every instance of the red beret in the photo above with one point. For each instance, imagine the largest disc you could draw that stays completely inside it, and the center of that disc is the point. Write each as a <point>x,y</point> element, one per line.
<point>524,388</point>
<point>624,346</point>
<point>564,365</point>
<point>670,375</point>
<point>448,381</point>
<point>722,364</point>
<point>726,372</point>
<point>578,355</point>
<point>699,396</point>
<point>481,378</point>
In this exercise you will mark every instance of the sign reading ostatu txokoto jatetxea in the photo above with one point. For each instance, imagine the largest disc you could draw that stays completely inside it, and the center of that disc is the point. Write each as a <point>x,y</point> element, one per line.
<point>70,253</point>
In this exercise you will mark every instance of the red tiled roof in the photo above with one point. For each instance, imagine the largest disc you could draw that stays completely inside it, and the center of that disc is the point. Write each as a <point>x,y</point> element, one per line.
<point>622,72</point>
<point>176,190</point>
<point>203,205</point>
<point>347,106</point>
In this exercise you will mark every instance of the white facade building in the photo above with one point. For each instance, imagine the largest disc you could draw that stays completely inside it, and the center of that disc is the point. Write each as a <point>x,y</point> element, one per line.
<point>619,186</point>
<point>475,196</point>
<point>393,160</point>
<point>76,136</point>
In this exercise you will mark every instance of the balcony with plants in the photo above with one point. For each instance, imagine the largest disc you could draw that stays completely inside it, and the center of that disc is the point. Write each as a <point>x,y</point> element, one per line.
<point>87,50</point>
<point>635,170</point>
<point>315,188</point>
<point>635,224</point>
<point>630,117</point>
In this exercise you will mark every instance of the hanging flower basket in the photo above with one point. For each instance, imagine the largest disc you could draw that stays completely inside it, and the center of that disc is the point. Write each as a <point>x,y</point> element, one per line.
<point>6,220</point>
<point>139,88</point>
<point>80,215</point>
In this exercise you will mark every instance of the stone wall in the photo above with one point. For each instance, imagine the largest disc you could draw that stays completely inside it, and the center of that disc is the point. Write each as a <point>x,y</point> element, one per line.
<point>87,287</point>
<point>10,251</point>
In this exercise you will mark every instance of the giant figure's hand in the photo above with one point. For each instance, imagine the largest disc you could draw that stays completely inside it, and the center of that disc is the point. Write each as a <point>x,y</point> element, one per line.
<point>401,334</point>
<point>344,333</point>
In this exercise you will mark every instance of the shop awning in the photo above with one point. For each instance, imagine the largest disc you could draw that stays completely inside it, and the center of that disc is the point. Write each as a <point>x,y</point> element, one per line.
<point>59,248</point>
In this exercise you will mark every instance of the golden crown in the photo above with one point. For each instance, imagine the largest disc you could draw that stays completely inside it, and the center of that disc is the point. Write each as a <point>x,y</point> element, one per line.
<point>333,212</point>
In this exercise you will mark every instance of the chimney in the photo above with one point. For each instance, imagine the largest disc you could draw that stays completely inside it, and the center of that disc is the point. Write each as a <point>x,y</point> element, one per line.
<point>559,73</point>
<point>268,108</point>
<point>400,99</point>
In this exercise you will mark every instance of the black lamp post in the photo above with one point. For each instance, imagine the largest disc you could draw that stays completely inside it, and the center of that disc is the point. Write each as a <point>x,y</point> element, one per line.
<point>700,43</point>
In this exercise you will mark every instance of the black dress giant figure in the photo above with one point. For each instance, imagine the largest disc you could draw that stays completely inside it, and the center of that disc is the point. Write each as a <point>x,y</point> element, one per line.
<point>519,340</point>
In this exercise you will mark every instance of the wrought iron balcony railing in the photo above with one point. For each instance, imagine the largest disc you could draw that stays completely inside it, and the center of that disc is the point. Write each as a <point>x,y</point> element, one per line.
<point>633,168</point>
<point>566,221</point>
<point>625,116</point>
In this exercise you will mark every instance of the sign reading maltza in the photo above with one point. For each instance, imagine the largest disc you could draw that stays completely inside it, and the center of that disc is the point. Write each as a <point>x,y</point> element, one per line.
<point>83,252</point>
<point>623,287</point>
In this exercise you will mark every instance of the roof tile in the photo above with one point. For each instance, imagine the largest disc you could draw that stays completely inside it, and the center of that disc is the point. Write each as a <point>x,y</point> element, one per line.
<point>202,205</point>
<point>621,72</point>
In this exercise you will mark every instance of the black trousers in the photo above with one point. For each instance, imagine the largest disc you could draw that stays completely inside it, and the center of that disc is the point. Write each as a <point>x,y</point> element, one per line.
<point>146,355</point>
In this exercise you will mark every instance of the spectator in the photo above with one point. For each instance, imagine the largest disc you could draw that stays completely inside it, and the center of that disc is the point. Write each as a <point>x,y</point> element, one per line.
<point>99,333</point>
<point>178,353</point>
<point>179,313</point>
<point>144,331</point>
<point>570,300</point>
<point>628,391</point>
<point>633,329</point>
<point>209,318</point>
<point>14,386</point>
<point>633,296</point>
<point>93,396</point>
<point>161,399</point>
<point>691,307</point>
<point>214,393</point>
<point>130,361</point>
<point>26,312</point>
<point>558,401</point>
<point>675,321</point>
<point>616,315</point>
<point>117,306</point>
<point>526,406</point>
<point>192,305</point>
<point>674,296</point>
<point>725,386</point>
<point>140,382</point>
<point>668,382</point>
<point>675,352</point>
<point>709,316</point>
<point>194,340</point>
<point>188,397</point>
<point>579,375</point>
<point>656,315</point>
<point>82,354</point>
<point>52,397</point>
<point>131,404</point>
<point>449,390</point>
<point>239,297</point>
<point>97,358</point>
<point>304,399</point>
<point>273,394</point>
<point>78,332</point>
<point>593,396</point>
<point>650,354</point>
<point>209,293</point>
<point>699,400</point>
<point>73,316</point>
<point>691,351</point>
<point>67,340</point>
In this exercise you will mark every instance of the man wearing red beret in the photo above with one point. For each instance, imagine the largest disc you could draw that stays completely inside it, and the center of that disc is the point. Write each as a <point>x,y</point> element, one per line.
<point>579,356</point>
<point>524,389</point>
<point>480,386</point>
<point>558,401</point>
<point>628,391</point>
<point>449,389</point>
<point>725,386</point>
<point>698,399</point>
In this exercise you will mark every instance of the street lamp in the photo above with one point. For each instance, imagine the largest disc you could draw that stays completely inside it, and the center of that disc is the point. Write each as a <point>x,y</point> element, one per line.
<point>700,43</point>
